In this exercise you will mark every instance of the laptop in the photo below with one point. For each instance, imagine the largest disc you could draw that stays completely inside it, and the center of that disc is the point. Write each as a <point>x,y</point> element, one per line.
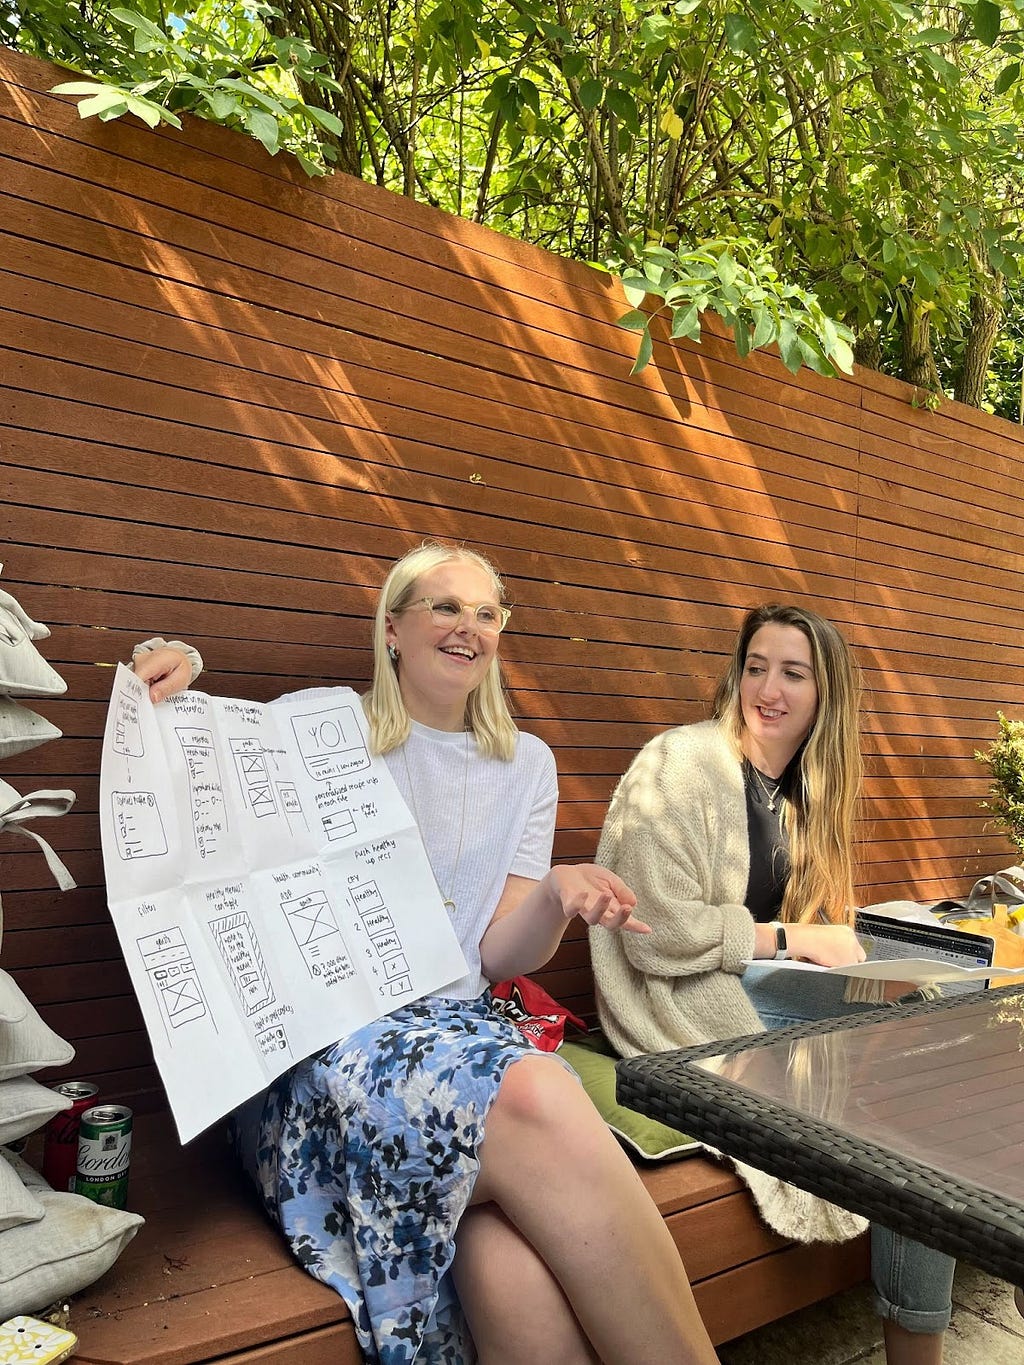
<point>885,938</point>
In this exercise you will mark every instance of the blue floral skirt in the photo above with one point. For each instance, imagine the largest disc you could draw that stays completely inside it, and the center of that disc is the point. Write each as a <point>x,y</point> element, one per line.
<point>366,1155</point>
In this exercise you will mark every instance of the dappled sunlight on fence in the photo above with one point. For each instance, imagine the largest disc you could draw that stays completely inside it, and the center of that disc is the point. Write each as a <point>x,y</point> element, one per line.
<point>230,396</point>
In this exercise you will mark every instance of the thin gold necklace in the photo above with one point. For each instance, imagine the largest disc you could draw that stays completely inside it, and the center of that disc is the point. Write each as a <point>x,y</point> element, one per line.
<point>770,796</point>
<point>449,904</point>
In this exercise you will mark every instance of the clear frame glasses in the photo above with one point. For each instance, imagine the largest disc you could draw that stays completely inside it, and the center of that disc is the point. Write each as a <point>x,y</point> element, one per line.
<point>447,611</point>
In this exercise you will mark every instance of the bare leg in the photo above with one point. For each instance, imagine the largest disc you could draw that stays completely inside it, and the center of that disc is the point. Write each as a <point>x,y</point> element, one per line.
<point>515,1307</point>
<point>559,1176</point>
<point>911,1348</point>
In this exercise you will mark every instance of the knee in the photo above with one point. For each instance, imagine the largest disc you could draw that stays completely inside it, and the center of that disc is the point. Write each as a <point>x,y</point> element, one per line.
<point>539,1095</point>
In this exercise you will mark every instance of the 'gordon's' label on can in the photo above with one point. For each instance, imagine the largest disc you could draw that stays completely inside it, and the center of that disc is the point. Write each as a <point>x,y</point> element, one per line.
<point>104,1154</point>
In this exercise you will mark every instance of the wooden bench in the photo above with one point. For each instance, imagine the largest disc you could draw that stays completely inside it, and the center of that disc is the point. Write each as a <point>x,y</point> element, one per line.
<point>208,1279</point>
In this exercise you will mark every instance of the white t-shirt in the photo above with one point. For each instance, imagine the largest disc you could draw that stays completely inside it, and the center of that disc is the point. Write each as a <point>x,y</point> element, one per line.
<point>481,820</point>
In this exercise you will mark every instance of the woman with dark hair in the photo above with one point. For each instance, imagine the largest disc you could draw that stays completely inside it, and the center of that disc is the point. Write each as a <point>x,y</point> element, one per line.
<point>434,1165</point>
<point>736,835</point>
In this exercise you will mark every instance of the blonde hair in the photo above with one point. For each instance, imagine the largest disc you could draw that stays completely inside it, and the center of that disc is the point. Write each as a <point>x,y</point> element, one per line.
<point>820,807</point>
<point>487,713</point>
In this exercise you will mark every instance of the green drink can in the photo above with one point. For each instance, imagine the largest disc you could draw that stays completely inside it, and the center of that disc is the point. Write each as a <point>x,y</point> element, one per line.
<point>104,1154</point>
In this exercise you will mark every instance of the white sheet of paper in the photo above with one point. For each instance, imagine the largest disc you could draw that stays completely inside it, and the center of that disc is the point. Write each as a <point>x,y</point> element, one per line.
<point>269,887</point>
<point>921,971</point>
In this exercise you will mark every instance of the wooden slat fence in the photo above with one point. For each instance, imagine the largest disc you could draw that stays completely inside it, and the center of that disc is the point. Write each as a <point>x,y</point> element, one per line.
<point>229,396</point>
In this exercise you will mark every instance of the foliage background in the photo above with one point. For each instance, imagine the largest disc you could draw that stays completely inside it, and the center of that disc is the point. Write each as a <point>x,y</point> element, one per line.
<point>824,174</point>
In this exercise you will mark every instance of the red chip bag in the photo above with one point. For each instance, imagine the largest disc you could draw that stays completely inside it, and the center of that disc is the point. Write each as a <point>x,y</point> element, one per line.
<point>533,1012</point>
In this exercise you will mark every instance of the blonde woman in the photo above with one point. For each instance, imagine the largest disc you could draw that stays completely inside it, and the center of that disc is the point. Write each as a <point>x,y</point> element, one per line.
<point>434,1161</point>
<point>736,835</point>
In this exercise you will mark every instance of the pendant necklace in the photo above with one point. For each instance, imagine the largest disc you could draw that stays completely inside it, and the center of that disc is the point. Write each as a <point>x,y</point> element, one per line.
<point>449,904</point>
<point>771,795</point>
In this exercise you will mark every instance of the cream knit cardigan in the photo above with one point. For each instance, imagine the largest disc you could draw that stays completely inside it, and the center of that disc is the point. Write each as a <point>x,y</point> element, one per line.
<point>676,832</point>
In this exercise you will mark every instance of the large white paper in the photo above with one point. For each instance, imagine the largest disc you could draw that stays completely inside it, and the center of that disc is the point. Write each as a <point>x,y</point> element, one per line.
<point>267,882</point>
<point>920,971</point>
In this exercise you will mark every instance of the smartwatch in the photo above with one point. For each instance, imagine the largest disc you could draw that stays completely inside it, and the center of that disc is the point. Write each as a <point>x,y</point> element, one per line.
<point>781,946</point>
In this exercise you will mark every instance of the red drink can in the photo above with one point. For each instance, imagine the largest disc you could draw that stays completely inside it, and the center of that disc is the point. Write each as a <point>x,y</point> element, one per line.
<point>60,1149</point>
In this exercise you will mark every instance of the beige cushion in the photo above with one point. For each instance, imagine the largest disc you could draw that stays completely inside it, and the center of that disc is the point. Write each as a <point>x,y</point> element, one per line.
<point>23,670</point>
<point>26,1043</point>
<point>22,729</point>
<point>25,1105</point>
<point>17,1206</point>
<point>73,1244</point>
<point>13,1002</point>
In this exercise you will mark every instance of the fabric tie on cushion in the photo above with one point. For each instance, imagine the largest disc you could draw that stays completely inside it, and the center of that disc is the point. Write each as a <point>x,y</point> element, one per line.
<point>15,809</point>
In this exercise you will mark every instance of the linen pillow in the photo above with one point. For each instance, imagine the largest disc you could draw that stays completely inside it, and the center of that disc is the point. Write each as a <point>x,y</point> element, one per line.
<point>594,1062</point>
<point>23,670</point>
<point>26,1043</point>
<point>17,1206</point>
<point>25,1105</point>
<point>73,1244</point>
<point>13,1003</point>
<point>22,729</point>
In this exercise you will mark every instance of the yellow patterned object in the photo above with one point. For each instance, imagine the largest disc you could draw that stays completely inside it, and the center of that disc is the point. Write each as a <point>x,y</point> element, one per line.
<point>997,926</point>
<point>28,1339</point>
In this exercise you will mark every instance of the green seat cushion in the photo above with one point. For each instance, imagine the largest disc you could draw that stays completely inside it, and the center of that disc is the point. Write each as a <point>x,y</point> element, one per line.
<point>593,1059</point>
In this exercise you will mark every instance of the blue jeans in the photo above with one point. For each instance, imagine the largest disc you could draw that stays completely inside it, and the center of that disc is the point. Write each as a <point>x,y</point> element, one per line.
<point>913,1284</point>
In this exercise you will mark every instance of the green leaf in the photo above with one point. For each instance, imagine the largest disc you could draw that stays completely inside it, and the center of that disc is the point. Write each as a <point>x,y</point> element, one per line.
<point>221,103</point>
<point>104,101</point>
<point>326,119</point>
<point>889,252</point>
<point>1009,75</point>
<point>78,88</point>
<point>591,93</point>
<point>727,269</point>
<point>634,320</point>
<point>623,105</point>
<point>841,355</point>
<point>146,110</point>
<point>987,18</point>
<point>635,289</point>
<point>644,353</point>
<point>655,29</point>
<point>764,330</point>
<point>686,323</point>
<point>264,128</point>
<point>789,346</point>
<point>740,34</point>
<point>260,96</point>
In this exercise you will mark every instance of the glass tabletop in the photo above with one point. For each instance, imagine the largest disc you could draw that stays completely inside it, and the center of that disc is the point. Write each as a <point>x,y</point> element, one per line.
<point>944,1089</point>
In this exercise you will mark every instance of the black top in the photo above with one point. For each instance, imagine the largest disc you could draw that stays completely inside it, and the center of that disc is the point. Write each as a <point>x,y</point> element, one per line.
<point>769,846</point>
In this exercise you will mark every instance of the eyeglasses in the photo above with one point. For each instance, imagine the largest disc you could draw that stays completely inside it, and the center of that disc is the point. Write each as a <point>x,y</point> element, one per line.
<point>447,611</point>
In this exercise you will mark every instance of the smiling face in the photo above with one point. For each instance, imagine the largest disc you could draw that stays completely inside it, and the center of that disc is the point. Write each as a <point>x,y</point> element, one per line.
<point>440,665</point>
<point>778,696</point>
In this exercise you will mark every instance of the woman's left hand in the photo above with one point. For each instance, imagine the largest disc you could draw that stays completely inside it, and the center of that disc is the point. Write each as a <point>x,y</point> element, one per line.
<point>596,895</point>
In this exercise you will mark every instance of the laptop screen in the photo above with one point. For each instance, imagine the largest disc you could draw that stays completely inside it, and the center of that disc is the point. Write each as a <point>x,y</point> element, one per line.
<point>884,938</point>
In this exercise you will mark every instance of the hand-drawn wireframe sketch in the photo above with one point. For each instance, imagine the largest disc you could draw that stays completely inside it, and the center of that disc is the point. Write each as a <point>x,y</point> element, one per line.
<point>254,776</point>
<point>330,742</point>
<point>127,737</point>
<point>272,1040</point>
<point>292,806</point>
<point>206,791</point>
<point>168,961</point>
<point>138,826</point>
<point>340,825</point>
<point>312,923</point>
<point>383,935</point>
<point>239,947</point>
<point>267,882</point>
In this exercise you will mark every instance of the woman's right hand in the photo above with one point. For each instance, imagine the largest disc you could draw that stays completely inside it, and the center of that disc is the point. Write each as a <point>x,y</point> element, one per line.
<point>828,945</point>
<point>166,671</point>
